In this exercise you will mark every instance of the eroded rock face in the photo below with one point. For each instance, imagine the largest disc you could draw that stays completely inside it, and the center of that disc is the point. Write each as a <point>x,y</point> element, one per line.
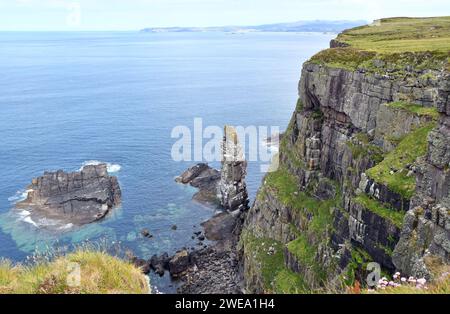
<point>426,228</point>
<point>76,198</point>
<point>232,186</point>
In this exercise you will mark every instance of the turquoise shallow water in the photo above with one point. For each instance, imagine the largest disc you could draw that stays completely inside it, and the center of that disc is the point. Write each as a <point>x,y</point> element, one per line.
<point>69,98</point>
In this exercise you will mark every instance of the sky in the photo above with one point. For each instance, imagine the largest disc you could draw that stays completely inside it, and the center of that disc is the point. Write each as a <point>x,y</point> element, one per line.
<point>77,15</point>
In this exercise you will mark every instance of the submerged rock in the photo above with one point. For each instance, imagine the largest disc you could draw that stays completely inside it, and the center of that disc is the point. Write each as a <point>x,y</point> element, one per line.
<point>76,198</point>
<point>146,233</point>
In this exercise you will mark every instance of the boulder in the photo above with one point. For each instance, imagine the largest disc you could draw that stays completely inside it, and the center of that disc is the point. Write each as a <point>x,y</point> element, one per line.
<point>220,227</point>
<point>179,263</point>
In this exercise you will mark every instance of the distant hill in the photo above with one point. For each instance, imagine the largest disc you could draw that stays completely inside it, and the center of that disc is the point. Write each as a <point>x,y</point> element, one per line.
<point>301,26</point>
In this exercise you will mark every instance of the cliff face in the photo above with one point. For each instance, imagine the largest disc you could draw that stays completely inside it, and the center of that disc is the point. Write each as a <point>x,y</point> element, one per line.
<point>363,177</point>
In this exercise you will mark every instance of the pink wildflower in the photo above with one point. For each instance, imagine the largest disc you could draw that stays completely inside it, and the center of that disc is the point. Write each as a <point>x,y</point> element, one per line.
<point>412,280</point>
<point>422,281</point>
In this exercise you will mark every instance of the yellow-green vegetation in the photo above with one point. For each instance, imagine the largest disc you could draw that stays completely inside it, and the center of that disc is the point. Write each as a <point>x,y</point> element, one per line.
<point>288,282</point>
<point>421,111</point>
<point>319,213</point>
<point>276,277</point>
<point>391,171</point>
<point>394,43</point>
<point>304,252</point>
<point>364,149</point>
<point>402,34</point>
<point>99,273</point>
<point>344,58</point>
<point>287,191</point>
<point>394,216</point>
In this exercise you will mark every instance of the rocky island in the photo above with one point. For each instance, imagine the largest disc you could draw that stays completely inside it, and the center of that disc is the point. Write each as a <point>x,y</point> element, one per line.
<point>77,198</point>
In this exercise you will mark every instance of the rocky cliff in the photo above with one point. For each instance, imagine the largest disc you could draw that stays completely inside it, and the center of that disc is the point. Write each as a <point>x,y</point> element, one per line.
<point>364,165</point>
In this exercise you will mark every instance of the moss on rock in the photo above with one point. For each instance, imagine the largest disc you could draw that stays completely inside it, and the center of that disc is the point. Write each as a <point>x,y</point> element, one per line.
<point>392,170</point>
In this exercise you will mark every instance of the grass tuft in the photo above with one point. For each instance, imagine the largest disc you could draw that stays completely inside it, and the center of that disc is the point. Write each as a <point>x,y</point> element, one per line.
<point>411,147</point>
<point>100,273</point>
<point>421,111</point>
<point>380,209</point>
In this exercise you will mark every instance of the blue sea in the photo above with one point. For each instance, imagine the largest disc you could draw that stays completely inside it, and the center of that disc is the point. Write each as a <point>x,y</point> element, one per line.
<point>68,99</point>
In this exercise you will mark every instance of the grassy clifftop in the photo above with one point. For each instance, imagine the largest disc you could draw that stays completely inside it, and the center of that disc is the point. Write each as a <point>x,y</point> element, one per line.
<point>82,272</point>
<point>401,34</point>
<point>394,44</point>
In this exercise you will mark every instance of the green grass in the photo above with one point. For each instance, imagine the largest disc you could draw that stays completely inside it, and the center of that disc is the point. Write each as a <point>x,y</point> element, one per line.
<point>343,58</point>
<point>362,149</point>
<point>288,282</point>
<point>392,35</point>
<point>380,209</point>
<point>305,253</point>
<point>276,277</point>
<point>270,265</point>
<point>301,249</point>
<point>317,213</point>
<point>421,111</point>
<point>99,273</point>
<point>287,191</point>
<point>394,44</point>
<point>411,147</point>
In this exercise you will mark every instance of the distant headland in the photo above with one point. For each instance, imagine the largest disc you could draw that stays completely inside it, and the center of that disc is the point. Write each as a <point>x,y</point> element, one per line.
<point>299,26</point>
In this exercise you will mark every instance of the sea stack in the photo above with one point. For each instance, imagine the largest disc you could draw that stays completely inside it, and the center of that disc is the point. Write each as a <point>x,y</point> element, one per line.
<point>232,186</point>
<point>77,198</point>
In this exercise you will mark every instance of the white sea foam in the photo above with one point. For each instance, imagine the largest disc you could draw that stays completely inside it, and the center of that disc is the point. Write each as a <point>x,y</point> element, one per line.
<point>24,213</point>
<point>112,168</point>
<point>30,221</point>
<point>65,227</point>
<point>19,196</point>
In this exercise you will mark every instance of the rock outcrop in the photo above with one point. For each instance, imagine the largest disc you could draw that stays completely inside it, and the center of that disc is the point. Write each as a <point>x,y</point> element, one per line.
<point>425,237</point>
<point>205,179</point>
<point>76,198</point>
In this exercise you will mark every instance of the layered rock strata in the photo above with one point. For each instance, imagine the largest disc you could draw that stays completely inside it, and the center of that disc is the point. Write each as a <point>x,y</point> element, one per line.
<point>76,198</point>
